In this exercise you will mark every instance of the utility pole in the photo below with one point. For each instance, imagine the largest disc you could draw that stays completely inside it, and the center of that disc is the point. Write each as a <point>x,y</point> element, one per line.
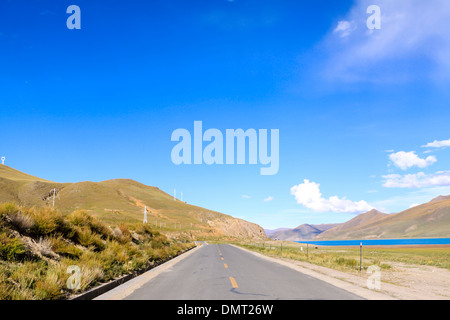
<point>54,193</point>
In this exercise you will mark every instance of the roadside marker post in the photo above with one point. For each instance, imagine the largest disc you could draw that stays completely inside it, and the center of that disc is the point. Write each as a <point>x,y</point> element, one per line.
<point>360,257</point>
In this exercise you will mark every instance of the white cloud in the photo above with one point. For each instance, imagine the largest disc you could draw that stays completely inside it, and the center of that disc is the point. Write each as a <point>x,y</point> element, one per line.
<point>405,160</point>
<point>413,38</point>
<point>245,196</point>
<point>438,144</point>
<point>308,194</point>
<point>270,198</point>
<point>344,28</point>
<point>417,180</point>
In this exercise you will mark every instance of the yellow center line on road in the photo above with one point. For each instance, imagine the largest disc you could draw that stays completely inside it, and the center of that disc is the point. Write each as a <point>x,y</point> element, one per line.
<point>225,265</point>
<point>233,283</point>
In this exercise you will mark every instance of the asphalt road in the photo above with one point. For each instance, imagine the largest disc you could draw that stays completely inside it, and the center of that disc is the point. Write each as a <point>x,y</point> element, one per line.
<point>223,272</point>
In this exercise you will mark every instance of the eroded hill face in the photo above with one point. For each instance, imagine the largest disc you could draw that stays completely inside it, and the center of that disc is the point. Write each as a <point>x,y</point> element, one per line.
<point>123,200</point>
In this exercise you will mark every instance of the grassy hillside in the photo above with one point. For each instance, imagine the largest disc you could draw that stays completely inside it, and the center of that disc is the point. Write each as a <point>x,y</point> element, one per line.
<point>123,200</point>
<point>15,175</point>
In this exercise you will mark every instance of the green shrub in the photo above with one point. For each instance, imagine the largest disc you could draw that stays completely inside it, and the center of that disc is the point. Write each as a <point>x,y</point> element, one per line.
<point>48,287</point>
<point>81,218</point>
<point>8,208</point>
<point>351,263</point>
<point>11,249</point>
<point>87,238</point>
<point>46,221</point>
<point>145,230</point>
<point>122,233</point>
<point>64,248</point>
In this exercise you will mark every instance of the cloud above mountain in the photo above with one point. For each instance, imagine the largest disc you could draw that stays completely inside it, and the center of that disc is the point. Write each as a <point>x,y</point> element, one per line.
<point>417,180</point>
<point>437,144</point>
<point>308,194</point>
<point>405,160</point>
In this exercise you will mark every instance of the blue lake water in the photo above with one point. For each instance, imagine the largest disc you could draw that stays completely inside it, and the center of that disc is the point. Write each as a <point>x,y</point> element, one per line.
<point>379,242</point>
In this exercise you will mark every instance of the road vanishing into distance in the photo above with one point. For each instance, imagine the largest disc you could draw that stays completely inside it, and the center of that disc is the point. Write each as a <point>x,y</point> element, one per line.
<point>224,272</point>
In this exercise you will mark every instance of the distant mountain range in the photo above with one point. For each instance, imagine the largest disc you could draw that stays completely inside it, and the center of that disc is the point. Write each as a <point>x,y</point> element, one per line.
<point>302,232</point>
<point>429,220</point>
<point>123,200</point>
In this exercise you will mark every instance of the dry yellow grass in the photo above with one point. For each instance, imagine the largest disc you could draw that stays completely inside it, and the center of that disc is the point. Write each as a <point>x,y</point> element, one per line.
<point>34,261</point>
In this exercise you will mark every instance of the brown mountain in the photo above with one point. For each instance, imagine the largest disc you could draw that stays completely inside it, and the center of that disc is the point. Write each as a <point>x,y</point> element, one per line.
<point>342,230</point>
<point>302,232</point>
<point>428,220</point>
<point>440,198</point>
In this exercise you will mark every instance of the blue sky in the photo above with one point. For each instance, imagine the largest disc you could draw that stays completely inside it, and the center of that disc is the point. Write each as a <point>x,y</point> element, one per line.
<point>363,114</point>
